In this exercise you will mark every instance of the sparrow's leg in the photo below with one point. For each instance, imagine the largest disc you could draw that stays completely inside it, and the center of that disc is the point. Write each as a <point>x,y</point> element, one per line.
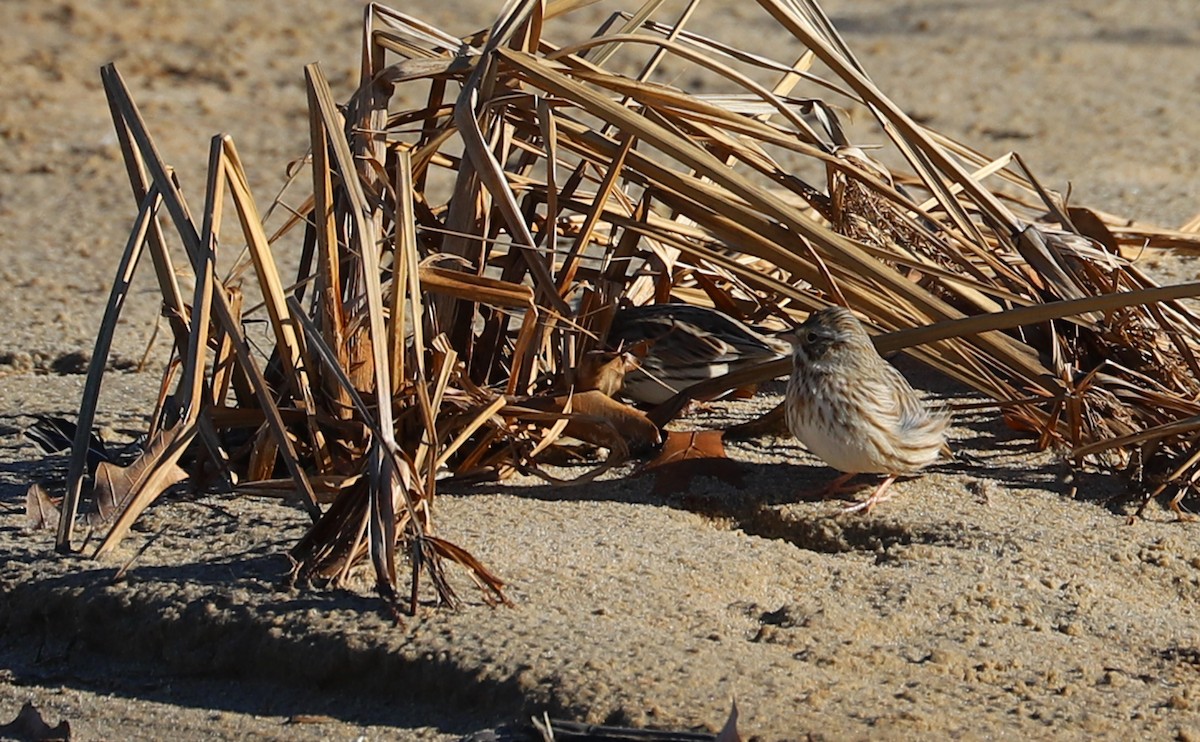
<point>836,487</point>
<point>881,493</point>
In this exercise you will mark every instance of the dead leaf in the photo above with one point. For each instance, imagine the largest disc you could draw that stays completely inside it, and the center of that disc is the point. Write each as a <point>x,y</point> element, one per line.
<point>690,454</point>
<point>1089,224</point>
<point>492,586</point>
<point>1016,419</point>
<point>40,509</point>
<point>602,421</point>
<point>692,444</point>
<point>263,456</point>
<point>605,370</point>
<point>114,483</point>
<point>128,490</point>
<point>30,725</point>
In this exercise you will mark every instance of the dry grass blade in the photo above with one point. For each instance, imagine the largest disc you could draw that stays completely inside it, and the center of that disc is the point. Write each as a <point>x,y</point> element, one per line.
<point>406,296</point>
<point>95,372</point>
<point>172,198</point>
<point>313,556</point>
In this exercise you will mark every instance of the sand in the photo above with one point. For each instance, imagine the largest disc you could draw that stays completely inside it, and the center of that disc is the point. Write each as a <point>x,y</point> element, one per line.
<point>982,602</point>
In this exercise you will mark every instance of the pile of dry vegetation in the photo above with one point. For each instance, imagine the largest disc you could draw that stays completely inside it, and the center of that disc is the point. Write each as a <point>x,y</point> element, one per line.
<point>472,217</point>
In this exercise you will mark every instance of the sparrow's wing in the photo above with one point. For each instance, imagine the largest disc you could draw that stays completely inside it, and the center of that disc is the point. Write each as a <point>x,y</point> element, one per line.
<point>914,416</point>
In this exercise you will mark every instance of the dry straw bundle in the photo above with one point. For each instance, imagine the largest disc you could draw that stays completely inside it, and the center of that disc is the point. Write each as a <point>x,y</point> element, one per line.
<point>462,255</point>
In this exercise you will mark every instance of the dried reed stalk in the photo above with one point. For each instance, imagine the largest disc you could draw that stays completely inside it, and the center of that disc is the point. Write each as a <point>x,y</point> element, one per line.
<point>467,252</point>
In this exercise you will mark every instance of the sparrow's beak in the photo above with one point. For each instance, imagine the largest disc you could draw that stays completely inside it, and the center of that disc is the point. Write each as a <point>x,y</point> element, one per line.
<point>791,337</point>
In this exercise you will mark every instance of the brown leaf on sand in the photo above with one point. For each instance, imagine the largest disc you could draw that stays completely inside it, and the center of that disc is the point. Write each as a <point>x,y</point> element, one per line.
<point>690,454</point>
<point>602,421</point>
<point>115,483</point>
<point>693,444</point>
<point>40,510</point>
<point>30,725</point>
<point>123,492</point>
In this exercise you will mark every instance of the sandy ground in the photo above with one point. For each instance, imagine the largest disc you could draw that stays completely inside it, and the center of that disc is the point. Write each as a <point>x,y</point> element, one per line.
<point>982,603</point>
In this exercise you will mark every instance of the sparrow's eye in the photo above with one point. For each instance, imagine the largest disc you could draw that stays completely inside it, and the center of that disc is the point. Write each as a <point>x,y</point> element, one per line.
<point>812,337</point>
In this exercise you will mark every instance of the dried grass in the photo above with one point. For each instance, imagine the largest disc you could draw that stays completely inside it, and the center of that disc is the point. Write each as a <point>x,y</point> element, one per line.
<point>462,256</point>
